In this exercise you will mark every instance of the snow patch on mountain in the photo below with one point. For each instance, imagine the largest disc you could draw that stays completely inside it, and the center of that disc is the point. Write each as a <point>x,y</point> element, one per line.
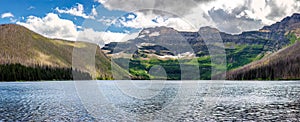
<point>154,34</point>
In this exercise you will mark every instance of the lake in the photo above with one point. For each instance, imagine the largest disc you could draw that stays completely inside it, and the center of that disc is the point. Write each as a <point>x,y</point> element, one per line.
<point>150,101</point>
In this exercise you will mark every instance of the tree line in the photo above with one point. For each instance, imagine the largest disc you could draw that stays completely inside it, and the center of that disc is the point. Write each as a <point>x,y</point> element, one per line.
<point>18,72</point>
<point>287,68</point>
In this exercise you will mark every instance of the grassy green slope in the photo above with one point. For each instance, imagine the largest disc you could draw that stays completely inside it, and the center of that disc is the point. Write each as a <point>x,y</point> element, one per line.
<point>236,57</point>
<point>19,45</point>
<point>282,65</point>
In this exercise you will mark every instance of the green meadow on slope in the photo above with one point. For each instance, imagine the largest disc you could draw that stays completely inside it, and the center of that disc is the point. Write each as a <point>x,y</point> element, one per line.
<point>282,65</point>
<point>244,54</point>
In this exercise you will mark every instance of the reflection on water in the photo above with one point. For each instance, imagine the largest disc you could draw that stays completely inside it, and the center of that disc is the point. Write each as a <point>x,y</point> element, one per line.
<point>202,101</point>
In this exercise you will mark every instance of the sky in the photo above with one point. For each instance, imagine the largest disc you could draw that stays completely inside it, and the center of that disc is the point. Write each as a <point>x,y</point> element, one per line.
<point>104,21</point>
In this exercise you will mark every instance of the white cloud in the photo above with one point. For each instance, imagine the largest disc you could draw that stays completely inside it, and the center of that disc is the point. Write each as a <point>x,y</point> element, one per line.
<point>130,16</point>
<point>175,6</point>
<point>200,12</point>
<point>54,27</point>
<point>78,11</point>
<point>51,26</point>
<point>30,8</point>
<point>107,21</point>
<point>143,20</point>
<point>117,37</point>
<point>102,38</point>
<point>251,14</point>
<point>94,12</point>
<point>7,15</point>
<point>12,20</point>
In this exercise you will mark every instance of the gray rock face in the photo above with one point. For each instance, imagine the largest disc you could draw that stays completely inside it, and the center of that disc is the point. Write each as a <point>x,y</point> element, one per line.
<point>163,40</point>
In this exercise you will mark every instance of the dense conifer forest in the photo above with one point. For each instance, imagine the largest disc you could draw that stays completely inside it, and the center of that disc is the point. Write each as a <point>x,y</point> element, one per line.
<point>284,65</point>
<point>18,72</point>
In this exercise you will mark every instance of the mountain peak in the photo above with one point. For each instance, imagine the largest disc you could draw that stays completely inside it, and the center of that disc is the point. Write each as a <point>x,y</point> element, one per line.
<point>209,28</point>
<point>296,15</point>
<point>155,31</point>
<point>287,24</point>
<point>157,28</point>
<point>9,25</point>
<point>12,27</point>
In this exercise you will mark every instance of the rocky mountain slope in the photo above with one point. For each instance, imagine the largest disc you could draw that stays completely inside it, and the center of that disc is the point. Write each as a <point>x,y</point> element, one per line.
<point>272,38</point>
<point>167,44</point>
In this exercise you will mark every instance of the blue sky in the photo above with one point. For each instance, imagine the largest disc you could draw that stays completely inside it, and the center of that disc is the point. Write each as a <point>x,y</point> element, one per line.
<point>67,14</point>
<point>41,8</point>
<point>112,20</point>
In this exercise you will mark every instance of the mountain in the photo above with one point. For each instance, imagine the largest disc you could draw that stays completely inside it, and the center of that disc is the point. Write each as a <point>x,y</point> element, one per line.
<point>166,46</point>
<point>282,65</point>
<point>288,24</point>
<point>26,55</point>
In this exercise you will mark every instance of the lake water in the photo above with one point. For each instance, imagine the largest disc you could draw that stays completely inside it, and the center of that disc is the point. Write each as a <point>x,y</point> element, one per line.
<point>150,101</point>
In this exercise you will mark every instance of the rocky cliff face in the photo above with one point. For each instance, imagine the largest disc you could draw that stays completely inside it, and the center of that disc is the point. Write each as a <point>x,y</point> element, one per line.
<point>272,38</point>
<point>287,24</point>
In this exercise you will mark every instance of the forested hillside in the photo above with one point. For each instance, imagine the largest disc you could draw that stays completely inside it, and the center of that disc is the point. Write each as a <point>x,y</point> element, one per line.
<point>26,55</point>
<point>283,65</point>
